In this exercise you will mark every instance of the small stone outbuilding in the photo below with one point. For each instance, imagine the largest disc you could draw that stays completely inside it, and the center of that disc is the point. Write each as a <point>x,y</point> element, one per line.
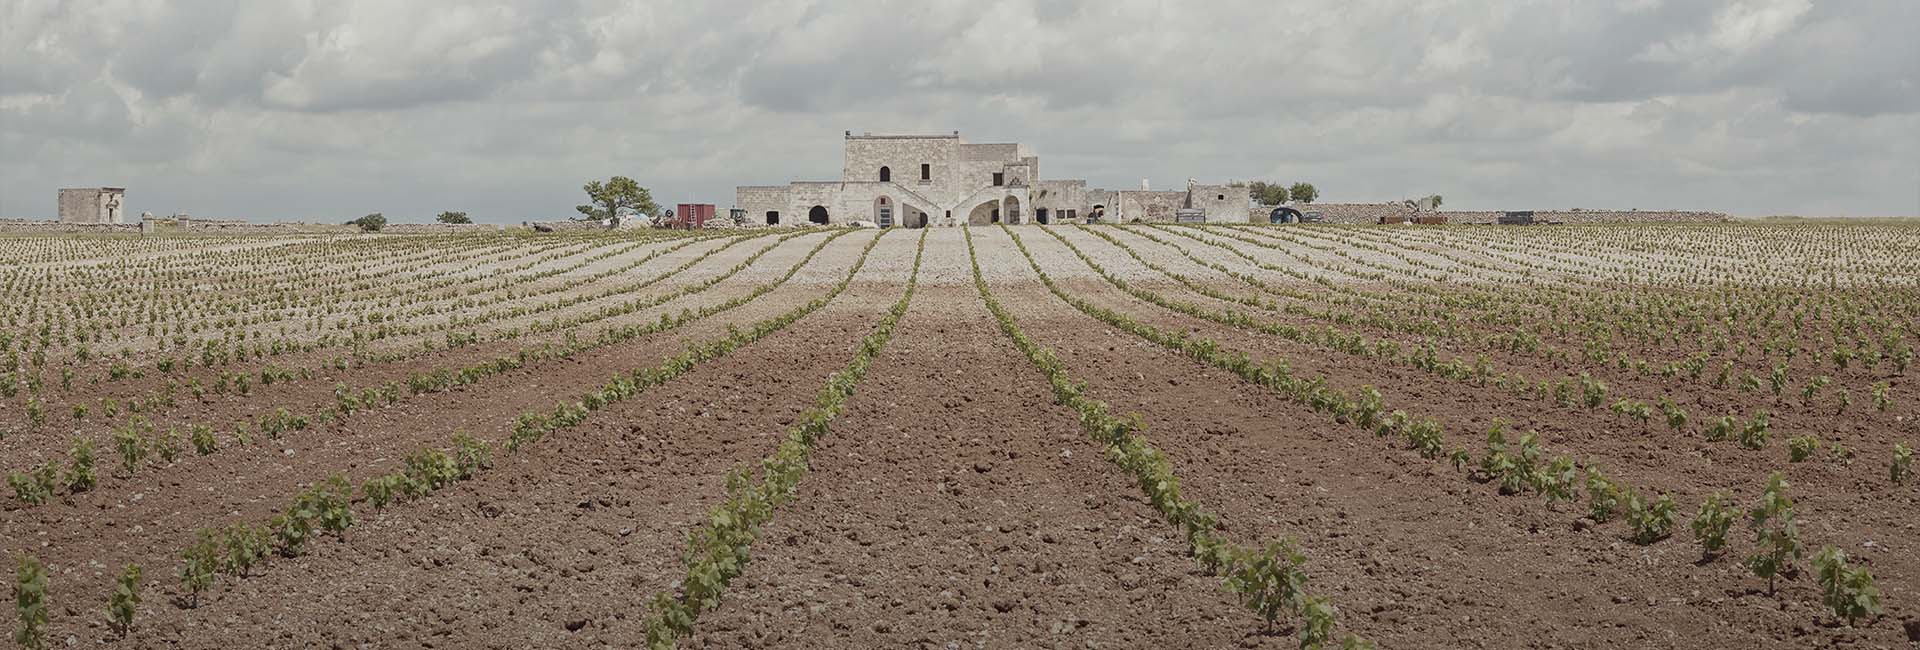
<point>92,205</point>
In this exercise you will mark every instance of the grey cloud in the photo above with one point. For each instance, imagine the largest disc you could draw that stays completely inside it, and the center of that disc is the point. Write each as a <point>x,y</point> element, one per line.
<point>271,108</point>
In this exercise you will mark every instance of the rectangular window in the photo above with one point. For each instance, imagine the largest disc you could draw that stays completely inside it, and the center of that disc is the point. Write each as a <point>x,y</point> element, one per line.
<point>926,172</point>
<point>999,179</point>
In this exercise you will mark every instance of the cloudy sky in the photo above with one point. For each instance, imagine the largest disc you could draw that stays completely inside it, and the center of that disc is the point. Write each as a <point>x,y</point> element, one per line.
<point>328,109</point>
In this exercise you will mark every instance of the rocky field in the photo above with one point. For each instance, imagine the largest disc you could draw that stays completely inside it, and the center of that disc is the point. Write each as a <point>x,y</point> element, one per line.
<point>1116,436</point>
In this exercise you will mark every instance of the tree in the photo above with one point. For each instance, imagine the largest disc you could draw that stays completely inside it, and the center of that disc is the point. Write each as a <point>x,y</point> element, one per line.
<point>453,217</point>
<point>1303,192</point>
<point>1268,193</point>
<point>1436,201</point>
<point>619,194</point>
<point>370,223</point>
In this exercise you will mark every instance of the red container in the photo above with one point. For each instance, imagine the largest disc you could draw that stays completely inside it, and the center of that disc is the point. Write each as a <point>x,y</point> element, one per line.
<point>692,215</point>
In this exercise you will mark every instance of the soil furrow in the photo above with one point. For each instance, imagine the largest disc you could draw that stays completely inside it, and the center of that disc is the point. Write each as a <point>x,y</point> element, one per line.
<point>1500,568</point>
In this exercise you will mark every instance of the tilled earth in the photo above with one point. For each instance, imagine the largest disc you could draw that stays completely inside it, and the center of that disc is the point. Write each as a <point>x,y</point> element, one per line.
<point>955,503</point>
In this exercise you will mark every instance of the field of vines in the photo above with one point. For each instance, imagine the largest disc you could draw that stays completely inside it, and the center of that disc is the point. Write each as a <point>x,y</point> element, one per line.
<point>1106,436</point>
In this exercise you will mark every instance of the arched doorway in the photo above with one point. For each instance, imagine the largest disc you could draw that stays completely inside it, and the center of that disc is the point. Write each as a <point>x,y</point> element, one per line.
<point>1099,213</point>
<point>773,217</point>
<point>883,212</point>
<point>818,215</point>
<point>886,174</point>
<point>1010,210</point>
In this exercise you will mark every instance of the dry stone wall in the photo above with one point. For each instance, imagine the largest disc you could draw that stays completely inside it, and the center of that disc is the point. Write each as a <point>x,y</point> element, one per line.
<point>438,228</point>
<point>28,226</point>
<point>1370,213</point>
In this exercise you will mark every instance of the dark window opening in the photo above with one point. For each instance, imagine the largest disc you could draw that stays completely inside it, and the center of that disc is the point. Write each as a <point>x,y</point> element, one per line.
<point>885,174</point>
<point>773,217</point>
<point>999,179</point>
<point>1069,215</point>
<point>926,172</point>
<point>1222,197</point>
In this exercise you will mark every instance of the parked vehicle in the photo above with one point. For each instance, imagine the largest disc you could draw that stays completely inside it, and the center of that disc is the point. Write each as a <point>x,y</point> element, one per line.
<point>1520,218</point>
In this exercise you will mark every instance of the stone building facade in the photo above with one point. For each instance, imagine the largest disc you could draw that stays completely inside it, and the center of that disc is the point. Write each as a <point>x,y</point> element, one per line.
<point>943,180</point>
<point>92,205</point>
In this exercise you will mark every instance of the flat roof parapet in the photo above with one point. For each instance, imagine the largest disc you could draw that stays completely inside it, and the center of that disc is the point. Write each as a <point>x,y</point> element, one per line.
<point>869,136</point>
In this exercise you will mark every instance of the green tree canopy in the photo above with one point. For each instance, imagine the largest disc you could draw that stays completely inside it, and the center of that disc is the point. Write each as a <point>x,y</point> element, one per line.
<point>370,223</point>
<point>453,217</point>
<point>1303,192</point>
<point>618,194</point>
<point>1268,193</point>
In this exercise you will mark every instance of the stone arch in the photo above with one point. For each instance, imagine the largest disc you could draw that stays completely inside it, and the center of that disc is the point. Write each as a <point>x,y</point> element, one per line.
<point>985,214</point>
<point>886,174</point>
<point>1010,210</point>
<point>817,215</point>
<point>885,212</point>
<point>1099,213</point>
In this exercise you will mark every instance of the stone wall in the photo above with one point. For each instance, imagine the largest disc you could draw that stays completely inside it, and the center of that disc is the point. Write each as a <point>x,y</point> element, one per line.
<point>192,226</point>
<point>439,228</point>
<point>1057,197</point>
<point>1600,216</point>
<point>903,156</point>
<point>1370,213</point>
<point>802,197</point>
<point>565,225</point>
<point>1016,174</point>
<point>247,227</point>
<point>850,202</point>
<point>1146,205</point>
<point>990,152</point>
<point>29,226</point>
<point>1222,203</point>
<point>92,205</point>
<point>758,200</point>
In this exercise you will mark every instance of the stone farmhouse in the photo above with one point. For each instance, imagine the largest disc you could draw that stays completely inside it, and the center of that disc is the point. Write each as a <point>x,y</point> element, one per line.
<point>942,180</point>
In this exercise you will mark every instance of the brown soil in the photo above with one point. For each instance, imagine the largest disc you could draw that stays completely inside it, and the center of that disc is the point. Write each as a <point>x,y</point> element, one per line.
<point>955,504</point>
<point>1369,508</point>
